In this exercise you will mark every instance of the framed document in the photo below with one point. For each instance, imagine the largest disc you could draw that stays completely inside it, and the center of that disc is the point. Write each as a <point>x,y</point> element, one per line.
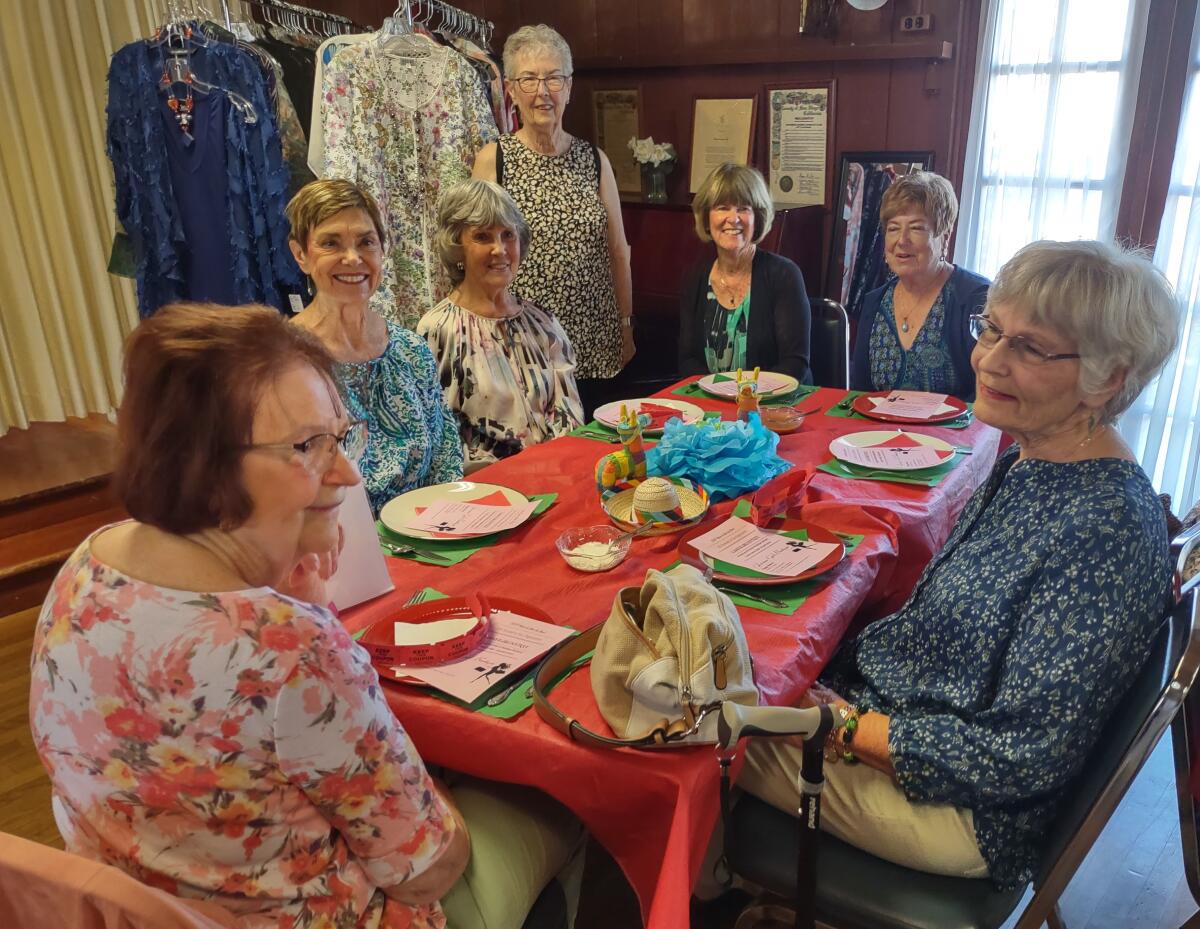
<point>799,143</point>
<point>722,130</point>
<point>616,114</point>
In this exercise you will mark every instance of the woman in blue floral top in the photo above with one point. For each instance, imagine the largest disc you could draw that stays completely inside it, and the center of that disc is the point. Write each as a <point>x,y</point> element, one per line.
<point>387,374</point>
<point>980,700</point>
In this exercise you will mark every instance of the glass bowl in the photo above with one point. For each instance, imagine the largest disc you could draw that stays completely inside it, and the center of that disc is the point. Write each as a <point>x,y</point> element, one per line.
<point>781,419</point>
<point>593,548</point>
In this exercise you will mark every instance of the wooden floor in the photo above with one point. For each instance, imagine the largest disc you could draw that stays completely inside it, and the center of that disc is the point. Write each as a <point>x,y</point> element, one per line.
<point>1133,879</point>
<point>52,456</point>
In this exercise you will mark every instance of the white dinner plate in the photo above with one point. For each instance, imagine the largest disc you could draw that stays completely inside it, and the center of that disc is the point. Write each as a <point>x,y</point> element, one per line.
<point>398,512</point>
<point>610,413</point>
<point>770,384</point>
<point>867,439</point>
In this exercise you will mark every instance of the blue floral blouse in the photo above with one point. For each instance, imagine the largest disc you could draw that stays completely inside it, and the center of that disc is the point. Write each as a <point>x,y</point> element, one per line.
<point>412,436</point>
<point>1015,645</point>
<point>261,268</point>
<point>924,366</point>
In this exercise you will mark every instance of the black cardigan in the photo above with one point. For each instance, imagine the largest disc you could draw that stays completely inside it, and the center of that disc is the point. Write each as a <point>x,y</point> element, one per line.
<point>780,320</point>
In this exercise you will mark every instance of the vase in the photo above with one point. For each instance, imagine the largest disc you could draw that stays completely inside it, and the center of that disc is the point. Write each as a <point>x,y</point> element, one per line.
<point>656,183</point>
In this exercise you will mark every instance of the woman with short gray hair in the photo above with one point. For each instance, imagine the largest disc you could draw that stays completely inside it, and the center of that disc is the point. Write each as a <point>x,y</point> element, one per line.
<point>506,366</point>
<point>974,707</point>
<point>578,263</point>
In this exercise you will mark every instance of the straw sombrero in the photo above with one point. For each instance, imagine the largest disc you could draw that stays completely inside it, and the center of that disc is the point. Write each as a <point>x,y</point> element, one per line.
<point>672,503</point>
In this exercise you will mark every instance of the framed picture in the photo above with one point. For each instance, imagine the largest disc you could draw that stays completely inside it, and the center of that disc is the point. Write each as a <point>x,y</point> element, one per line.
<point>722,131</point>
<point>799,143</point>
<point>856,264</point>
<point>617,120</point>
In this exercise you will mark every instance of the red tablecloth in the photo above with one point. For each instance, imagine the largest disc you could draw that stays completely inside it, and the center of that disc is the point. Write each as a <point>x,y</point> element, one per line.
<point>654,811</point>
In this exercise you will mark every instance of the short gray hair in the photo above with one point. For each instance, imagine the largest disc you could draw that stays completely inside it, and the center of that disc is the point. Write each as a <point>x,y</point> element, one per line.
<point>473,203</point>
<point>736,185</point>
<point>529,40</point>
<point>1110,301</point>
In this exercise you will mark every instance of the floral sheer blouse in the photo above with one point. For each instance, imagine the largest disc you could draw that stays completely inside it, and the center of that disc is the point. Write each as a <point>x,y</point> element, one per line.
<point>234,747</point>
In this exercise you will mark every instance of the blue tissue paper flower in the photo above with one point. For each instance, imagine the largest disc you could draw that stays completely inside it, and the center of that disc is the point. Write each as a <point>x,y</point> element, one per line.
<point>727,459</point>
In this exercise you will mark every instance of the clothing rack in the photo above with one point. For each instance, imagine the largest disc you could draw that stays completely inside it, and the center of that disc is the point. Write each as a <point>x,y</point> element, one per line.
<point>451,20</point>
<point>341,23</point>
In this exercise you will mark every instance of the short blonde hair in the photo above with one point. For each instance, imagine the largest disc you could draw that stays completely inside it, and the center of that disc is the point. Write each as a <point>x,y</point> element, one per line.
<point>738,185</point>
<point>320,200</point>
<point>930,193</point>
<point>529,40</point>
<point>1111,302</point>
<point>474,203</point>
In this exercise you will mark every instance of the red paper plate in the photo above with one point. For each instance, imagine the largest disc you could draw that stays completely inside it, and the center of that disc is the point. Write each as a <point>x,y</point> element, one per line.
<point>379,639</point>
<point>862,404</point>
<point>691,555</point>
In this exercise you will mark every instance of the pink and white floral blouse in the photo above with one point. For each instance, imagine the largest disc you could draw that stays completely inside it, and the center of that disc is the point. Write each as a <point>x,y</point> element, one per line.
<point>234,747</point>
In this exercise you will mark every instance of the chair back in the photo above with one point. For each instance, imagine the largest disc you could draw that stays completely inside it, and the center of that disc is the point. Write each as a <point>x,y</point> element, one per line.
<point>1129,736</point>
<point>44,886</point>
<point>829,344</point>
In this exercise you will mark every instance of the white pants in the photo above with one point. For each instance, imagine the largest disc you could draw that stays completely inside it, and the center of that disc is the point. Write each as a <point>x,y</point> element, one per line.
<point>865,808</point>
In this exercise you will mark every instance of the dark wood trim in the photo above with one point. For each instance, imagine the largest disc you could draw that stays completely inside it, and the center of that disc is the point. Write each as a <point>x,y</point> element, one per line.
<point>933,50</point>
<point>1162,86</point>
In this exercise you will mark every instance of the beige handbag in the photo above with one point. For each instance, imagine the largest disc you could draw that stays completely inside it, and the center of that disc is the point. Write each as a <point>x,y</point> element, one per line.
<point>668,655</point>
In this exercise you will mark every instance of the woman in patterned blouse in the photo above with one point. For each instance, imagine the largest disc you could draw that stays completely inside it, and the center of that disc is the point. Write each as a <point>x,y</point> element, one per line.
<point>507,368</point>
<point>914,331</point>
<point>206,727</point>
<point>979,701</point>
<point>385,372</point>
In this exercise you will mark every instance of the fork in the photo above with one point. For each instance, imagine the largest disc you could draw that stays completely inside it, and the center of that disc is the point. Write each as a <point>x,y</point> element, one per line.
<point>758,598</point>
<point>395,548</point>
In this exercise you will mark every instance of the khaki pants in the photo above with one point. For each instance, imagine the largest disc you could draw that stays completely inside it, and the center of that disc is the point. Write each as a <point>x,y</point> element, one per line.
<point>521,839</point>
<point>865,808</point>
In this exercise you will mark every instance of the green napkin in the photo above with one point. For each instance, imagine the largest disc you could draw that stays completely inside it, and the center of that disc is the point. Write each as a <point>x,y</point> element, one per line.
<point>792,596</point>
<point>595,430</point>
<point>842,410</point>
<point>925,477</point>
<point>448,552</point>
<point>520,695</point>
<point>693,390</point>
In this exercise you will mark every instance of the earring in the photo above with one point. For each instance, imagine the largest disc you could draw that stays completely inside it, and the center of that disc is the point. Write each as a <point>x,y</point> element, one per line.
<point>459,265</point>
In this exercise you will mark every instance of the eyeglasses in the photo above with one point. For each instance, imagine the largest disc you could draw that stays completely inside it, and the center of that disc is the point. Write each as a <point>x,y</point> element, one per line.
<point>554,83</point>
<point>988,334</point>
<point>317,452</point>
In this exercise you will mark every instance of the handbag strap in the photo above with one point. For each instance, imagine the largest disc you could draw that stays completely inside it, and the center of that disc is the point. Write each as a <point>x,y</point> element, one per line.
<point>559,660</point>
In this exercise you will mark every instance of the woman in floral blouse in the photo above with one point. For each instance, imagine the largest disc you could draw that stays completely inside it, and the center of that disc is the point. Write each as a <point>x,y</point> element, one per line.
<point>386,374</point>
<point>979,701</point>
<point>506,366</point>
<point>206,727</point>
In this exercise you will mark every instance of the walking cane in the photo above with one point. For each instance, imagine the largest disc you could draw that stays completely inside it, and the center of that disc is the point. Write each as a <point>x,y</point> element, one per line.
<point>812,724</point>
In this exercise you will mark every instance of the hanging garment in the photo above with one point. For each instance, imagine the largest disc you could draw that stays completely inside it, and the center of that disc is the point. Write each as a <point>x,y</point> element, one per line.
<point>316,129</point>
<point>299,64</point>
<point>151,199</point>
<point>404,129</point>
<point>502,108</point>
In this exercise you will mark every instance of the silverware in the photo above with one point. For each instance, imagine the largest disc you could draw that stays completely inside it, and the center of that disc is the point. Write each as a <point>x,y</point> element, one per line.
<point>497,699</point>
<point>395,548</point>
<point>758,598</point>
<point>963,449</point>
<point>418,597</point>
<point>845,402</point>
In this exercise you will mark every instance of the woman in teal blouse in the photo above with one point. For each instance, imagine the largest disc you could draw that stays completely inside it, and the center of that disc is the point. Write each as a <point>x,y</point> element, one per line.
<point>386,373</point>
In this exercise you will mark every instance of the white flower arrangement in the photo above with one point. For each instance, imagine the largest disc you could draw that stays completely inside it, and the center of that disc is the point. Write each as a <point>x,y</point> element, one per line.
<point>647,152</point>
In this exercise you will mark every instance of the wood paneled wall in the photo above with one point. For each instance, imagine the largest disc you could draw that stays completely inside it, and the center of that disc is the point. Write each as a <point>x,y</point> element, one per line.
<point>894,91</point>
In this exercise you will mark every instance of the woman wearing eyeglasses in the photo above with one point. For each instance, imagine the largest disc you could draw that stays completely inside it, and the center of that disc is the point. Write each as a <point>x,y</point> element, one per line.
<point>210,732</point>
<point>913,333</point>
<point>577,266</point>
<point>385,372</point>
<point>972,709</point>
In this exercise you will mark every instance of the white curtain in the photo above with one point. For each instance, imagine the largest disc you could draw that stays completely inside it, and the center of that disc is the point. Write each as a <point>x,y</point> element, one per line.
<point>1055,89</point>
<point>63,317</point>
<point>1163,425</point>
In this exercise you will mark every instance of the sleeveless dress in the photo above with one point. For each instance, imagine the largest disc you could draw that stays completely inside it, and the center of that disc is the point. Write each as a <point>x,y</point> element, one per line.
<point>566,270</point>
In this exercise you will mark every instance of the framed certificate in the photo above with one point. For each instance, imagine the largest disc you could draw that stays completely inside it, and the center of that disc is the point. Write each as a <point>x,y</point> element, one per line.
<point>800,143</point>
<point>722,131</point>
<point>616,114</point>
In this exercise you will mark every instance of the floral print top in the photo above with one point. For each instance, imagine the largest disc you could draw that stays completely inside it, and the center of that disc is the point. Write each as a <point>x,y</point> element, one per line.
<point>511,381</point>
<point>405,129</point>
<point>1017,642</point>
<point>926,365</point>
<point>412,438</point>
<point>234,747</point>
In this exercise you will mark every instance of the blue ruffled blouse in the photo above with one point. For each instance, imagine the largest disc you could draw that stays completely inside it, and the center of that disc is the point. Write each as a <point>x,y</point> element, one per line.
<point>1017,642</point>
<point>161,221</point>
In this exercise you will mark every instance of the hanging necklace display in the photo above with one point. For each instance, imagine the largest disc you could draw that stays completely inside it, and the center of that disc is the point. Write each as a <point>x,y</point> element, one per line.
<point>182,108</point>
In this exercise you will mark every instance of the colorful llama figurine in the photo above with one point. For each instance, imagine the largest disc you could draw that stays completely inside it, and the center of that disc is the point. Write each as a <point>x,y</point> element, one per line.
<point>626,468</point>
